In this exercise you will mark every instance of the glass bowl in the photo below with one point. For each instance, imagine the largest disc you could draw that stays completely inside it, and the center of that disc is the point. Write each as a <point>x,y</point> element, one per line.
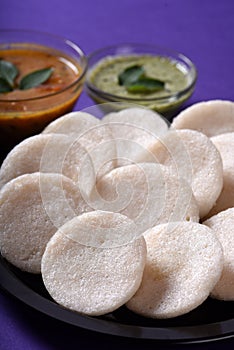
<point>26,112</point>
<point>102,83</point>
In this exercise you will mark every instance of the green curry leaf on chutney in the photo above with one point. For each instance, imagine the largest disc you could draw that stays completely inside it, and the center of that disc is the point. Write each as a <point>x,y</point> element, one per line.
<point>136,81</point>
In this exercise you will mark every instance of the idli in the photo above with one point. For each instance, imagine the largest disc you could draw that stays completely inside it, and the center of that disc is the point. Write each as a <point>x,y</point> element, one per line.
<point>210,117</point>
<point>225,145</point>
<point>73,123</point>
<point>192,155</point>
<point>50,153</point>
<point>184,263</point>
<point>92,279</point>
<point>57,153</point>
<point>91,134</point>
<point>32,207</point>
<point>134,130</point>
<point>147,193</point>
<point>223,226</point>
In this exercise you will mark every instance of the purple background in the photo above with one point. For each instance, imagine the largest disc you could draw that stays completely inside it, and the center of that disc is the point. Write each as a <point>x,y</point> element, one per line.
<point>201,29</point>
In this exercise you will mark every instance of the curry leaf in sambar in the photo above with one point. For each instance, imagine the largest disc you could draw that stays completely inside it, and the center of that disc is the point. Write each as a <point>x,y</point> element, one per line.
<point>35,78</point>
<point>8,72</point>
<point>4,85</point>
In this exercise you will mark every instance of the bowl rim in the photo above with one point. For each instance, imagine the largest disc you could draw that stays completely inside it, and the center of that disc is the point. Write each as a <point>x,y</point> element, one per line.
<point>169,98</point>
<point>67,42</point>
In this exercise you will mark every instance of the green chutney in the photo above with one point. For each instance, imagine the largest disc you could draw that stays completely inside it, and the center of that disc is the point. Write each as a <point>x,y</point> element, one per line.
<point>105,75</point>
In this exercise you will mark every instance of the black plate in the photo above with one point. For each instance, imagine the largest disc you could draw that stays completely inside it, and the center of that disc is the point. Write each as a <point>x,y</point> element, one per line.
<point>213,320</point>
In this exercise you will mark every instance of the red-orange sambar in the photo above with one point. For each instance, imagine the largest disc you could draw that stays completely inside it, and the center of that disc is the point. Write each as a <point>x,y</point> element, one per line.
<point>26,112</point>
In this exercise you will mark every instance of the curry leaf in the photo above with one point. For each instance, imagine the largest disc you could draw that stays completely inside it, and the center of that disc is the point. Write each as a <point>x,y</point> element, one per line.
<point>35,78</point>
<point>136,81</point>
<point>8,72</point>
<point>145,85</point>
<point>4,85</point>
<point>130,75</point>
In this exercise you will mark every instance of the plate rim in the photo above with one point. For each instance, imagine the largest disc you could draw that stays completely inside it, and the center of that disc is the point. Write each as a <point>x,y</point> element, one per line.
<point>11,283</point>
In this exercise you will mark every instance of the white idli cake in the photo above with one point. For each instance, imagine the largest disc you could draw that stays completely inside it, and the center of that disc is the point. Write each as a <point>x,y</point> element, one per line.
<point>184,262</point>
<point>109,210</point>
<point>93,279</point>
<point>210,117</point>
<point>223,226</point>
<point>91,134</point>
<point>49,153</point>
<point>135,130</point>
<point>73,123</point>
<point>24,158</point>
<point>65,154</point>
<point>52,153</point>
<point>32,207</point>
<point>225,145</point>
<point>147,193</point>
<point>192,155</point>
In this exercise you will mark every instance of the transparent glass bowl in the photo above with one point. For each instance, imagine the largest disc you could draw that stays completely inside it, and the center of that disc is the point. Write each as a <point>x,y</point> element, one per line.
<point>23,117</point>
<point>166,105</point>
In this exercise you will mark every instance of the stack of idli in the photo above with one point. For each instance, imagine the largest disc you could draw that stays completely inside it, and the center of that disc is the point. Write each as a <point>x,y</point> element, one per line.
<point>126,210</point>
<point>39,184</point>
